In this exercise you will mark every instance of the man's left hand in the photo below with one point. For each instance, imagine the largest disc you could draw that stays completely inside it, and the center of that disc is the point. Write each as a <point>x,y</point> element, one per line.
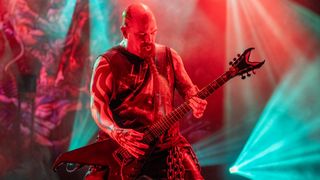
<point>198,106</point>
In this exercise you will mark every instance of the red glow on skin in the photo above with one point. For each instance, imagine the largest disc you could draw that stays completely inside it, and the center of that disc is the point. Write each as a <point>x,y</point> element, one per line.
<point>2,45</point>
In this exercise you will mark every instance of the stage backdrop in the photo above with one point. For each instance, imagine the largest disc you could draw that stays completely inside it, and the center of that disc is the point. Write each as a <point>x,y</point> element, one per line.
<point>265,126</point>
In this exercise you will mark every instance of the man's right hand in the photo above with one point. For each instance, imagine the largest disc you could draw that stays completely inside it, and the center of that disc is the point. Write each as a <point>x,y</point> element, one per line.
<point>130,140</point>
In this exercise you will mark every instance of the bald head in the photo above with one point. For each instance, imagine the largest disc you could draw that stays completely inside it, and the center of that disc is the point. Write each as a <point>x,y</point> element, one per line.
<point>137,12</point>
<point>138,28</point>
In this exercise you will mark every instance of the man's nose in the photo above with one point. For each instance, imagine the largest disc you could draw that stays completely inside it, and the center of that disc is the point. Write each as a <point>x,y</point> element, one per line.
<point>147,38</point>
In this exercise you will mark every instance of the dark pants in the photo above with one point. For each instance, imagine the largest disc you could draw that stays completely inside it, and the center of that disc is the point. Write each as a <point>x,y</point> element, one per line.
<point>180,163</point>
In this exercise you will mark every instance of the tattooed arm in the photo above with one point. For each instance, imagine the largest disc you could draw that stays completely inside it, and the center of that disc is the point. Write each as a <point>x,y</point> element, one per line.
<point>101,91</point>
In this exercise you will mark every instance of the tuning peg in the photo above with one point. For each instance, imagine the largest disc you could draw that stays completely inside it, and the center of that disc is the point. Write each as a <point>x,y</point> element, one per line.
<point>238,55</point>
<point>230,63</point>
<point>253,71</point>
<point>248,74</point>
<point>234,59</point>
<point>243,77</point>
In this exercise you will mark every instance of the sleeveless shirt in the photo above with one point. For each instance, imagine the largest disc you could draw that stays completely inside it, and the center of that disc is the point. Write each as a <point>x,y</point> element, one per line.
<point>132,102</point>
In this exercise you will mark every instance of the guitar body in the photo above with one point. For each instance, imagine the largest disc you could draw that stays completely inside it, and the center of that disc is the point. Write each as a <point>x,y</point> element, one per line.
<point>104,153</point>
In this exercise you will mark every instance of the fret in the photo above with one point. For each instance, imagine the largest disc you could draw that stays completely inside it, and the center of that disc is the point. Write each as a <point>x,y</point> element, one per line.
<point>220,82</point>
<point>148,137</point>
<point>159,128</point>
<point>179,112</point>
<point>155,129</point>
<point>173,115</point>
<point>166,123</point>
<point>186,108</point>
<point>170,119</point>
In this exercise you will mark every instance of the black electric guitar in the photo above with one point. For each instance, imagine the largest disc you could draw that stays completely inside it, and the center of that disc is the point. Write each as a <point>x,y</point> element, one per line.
<point>122,165</point>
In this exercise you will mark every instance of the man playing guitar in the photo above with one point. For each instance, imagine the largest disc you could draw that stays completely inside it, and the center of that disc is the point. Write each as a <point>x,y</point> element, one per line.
<point>132,87</point>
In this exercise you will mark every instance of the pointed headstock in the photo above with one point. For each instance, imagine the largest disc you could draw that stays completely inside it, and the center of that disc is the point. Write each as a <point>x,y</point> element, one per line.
<point>242,66</point>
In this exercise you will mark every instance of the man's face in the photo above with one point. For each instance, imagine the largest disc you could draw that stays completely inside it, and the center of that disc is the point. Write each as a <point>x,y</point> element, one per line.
<point>140,33</point>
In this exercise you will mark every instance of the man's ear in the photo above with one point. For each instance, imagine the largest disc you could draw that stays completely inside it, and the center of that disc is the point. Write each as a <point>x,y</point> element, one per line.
<point>124,31</point>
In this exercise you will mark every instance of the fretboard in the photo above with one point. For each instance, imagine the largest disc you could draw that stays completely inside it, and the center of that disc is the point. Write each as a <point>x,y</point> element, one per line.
<point>162,125</point>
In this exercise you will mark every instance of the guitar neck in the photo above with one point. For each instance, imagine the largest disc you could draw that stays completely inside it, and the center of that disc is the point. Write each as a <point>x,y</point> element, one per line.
<point>162,125</point>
